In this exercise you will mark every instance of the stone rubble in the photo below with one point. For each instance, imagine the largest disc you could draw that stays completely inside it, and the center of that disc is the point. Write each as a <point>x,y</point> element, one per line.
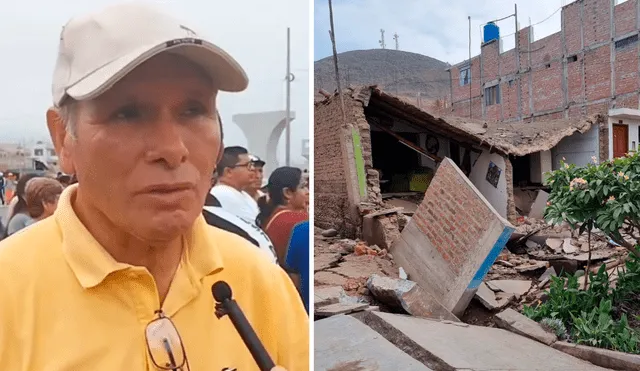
<point>361,277</point>
<point>354,268</point>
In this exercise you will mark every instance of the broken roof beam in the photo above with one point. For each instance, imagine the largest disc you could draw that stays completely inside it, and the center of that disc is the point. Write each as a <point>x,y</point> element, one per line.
<point>417,116</point>
<point>408,143</point>
<point>383,112</point>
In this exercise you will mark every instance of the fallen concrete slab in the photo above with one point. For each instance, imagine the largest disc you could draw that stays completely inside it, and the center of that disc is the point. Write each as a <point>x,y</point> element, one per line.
<point>406,295</point>
<point>342,343</point>
<point>340,308</point>
<point>327,295</point>
<point>452,240</point>
<point>464,347</point>
<point>492,300</point>
<point>516,287</point>
<point>601,357</point>
<point>522,325</point>
<point>325,261</point>
<point>531,267</point>
<point>540,203</point>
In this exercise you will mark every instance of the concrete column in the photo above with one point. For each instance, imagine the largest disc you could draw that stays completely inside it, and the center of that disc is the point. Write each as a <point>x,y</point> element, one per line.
<point>263,131</point>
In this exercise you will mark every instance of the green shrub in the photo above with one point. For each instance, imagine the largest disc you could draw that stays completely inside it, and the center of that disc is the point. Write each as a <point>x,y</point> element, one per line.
<point>589,313</point>
<point>604,196</point>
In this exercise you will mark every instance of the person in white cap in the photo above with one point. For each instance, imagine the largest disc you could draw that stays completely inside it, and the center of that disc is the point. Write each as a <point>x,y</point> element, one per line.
<point>120,277</point>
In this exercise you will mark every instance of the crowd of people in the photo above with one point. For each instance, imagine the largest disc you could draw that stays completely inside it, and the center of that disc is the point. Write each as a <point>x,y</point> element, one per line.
<point>32,199</point>
<point>267,215</point>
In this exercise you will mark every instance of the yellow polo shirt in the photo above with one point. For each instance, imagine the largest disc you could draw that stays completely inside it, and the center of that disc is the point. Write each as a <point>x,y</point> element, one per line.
<point>66,304</point>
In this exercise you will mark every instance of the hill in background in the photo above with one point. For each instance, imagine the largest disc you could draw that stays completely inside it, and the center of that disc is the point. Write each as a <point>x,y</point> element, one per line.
<point>404,74</point>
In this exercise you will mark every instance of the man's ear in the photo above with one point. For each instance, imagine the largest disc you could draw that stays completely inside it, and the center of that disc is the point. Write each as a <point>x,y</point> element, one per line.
<point>62,142</point>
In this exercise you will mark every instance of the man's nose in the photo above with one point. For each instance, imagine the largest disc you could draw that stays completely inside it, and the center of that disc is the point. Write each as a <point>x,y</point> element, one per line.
<point>166,142</point>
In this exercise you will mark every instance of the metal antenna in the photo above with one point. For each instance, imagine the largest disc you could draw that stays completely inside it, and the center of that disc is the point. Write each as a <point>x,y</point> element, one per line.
<point>396,37</point>
<point>381,41</point>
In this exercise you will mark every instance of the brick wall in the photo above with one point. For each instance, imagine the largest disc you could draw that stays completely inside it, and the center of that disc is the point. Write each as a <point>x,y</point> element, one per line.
<point>461,93</point>
<point>626,74</point>
<point>330,175</point>
<point>625,18</point>
<point>603,136</point>
<point>455,221</point>
<point>334,165</point>
<point>575,71</point>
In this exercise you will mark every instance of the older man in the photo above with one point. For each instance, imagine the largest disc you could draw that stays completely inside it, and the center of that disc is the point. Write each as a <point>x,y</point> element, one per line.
<point>120,277</point>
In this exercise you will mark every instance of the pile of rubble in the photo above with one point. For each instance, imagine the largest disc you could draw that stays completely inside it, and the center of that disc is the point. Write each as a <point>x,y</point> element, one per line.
<point>351,276</point>
<point>536,252</point>
<point>447,254</point>
<point>341,270</point>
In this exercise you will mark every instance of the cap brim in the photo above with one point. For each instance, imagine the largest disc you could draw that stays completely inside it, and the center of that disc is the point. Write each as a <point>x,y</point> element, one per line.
<point>225,72</point>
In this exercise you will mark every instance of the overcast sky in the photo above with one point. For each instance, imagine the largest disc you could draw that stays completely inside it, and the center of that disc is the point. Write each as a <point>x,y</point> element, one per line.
<point>252,31</point>
<point>436,28</point>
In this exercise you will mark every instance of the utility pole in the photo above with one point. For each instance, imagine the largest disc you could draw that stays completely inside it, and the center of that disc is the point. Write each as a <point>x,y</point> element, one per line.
<point>381,41</point>
<point>290,78</point>
<point>518,63</point>
<point>335,62</point>
<point>469,73</point>
<point>396,37</point>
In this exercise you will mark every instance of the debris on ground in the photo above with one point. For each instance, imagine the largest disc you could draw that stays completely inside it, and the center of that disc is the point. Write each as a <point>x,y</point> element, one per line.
<point>410,261</point>
<point>341,270</point>
<point>514,280</point>
<point>402,294</point>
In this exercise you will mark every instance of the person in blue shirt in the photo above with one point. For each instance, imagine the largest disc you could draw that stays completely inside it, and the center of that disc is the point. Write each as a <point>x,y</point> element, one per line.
<point>297,260</point>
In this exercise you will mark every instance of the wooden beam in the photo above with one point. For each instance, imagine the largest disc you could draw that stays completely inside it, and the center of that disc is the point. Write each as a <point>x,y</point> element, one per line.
<point>434,125</point>
<point>408,143</point>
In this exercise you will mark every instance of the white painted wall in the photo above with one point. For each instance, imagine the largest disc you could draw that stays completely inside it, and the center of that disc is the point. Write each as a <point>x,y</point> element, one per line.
<point>442,152</point>
<point>541,163</point>
<point>634,131</point>
<point>496,196</point>
<point>577,148</point>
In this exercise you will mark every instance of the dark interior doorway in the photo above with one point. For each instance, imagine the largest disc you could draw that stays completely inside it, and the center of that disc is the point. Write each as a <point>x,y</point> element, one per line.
<point>394,160</point>
<point>521,166</point>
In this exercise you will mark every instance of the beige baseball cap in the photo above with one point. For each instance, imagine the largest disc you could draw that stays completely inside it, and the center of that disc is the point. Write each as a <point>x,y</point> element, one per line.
<point>99,49</point>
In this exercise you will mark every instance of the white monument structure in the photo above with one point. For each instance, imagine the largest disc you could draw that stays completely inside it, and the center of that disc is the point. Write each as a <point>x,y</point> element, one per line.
<point>263,131</point>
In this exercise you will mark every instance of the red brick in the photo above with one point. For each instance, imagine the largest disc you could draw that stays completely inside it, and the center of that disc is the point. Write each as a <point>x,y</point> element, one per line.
<point>625,17</point>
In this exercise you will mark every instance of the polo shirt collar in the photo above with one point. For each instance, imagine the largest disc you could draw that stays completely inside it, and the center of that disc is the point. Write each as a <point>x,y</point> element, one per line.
<point>91,263</point>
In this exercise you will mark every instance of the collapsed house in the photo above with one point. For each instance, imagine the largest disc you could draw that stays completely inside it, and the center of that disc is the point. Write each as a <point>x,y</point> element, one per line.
<point>371,146</point>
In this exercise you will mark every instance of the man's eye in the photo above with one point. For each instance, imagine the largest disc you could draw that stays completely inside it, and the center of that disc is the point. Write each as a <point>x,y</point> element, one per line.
<point>194,111</point>
<point>126,114</point>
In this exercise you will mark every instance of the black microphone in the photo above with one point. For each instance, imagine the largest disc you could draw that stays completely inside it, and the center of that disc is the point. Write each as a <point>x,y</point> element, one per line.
<point>225,305</point>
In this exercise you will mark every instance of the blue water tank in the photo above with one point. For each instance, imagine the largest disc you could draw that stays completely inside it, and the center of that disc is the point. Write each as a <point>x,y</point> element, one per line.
<point>491,32</point>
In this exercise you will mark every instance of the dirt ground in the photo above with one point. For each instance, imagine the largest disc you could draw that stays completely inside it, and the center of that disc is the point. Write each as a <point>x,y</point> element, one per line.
<point>336,263</point>
<point>348,263</point>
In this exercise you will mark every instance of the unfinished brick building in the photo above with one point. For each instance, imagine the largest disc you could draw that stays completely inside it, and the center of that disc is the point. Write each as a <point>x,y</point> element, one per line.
<point>589,67</point>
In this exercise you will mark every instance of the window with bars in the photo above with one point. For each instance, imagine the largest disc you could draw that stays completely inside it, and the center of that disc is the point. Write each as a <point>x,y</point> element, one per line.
<point>465,76</point>
<point>492,95</point>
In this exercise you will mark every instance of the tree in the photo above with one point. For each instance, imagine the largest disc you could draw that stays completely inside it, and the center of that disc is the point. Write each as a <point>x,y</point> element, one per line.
<point>604,196</point>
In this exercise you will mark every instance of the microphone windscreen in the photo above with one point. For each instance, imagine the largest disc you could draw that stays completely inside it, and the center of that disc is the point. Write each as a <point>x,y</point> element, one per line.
<point>221,291</point>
